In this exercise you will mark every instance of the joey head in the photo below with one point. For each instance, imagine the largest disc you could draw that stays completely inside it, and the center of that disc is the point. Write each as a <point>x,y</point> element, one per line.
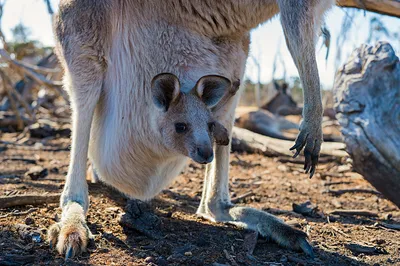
<point>186,123</point>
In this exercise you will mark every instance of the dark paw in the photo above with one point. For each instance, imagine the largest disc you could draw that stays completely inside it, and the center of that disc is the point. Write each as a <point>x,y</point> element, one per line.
<point>140,217</point>
<point>311,142</point>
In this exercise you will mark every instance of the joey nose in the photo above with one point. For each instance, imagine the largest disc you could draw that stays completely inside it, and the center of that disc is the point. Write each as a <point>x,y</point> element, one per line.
<point>205,154</point>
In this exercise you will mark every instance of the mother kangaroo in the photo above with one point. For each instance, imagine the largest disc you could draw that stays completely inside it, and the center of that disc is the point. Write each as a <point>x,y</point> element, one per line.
<point>128,123</point>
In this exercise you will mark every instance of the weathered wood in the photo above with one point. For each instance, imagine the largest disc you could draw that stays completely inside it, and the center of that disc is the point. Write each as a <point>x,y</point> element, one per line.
<point>367,95</point>
<point>268,124</point>
<point>354,213</point>
<point>247,141</point>
<point>385,7</point>
<point>21,200</point>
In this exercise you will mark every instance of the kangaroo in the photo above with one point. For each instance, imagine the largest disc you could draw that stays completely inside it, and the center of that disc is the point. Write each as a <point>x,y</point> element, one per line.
<point>112,49</point>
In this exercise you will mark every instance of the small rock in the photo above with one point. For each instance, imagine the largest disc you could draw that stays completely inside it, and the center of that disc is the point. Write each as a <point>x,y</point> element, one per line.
<point>188,253</point>
<point>37,172</point>
<point>283,259</point>
<point>283,168</point>
<point>161,261</point>
<point>336,203</point>
<point>29,221</point>
<point>306,209</point>
<point>54,170</point>
<point>112,209</point>
<point>149,260</point>
<point>379,241</point>
<point>344,168</point>
<point>176,258</point>
<point>141,255</point>
<point>36,237</point>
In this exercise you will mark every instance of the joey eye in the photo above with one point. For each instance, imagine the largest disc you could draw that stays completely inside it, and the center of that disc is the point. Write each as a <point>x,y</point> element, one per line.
<point>211,126</point>
<point>180,127</point>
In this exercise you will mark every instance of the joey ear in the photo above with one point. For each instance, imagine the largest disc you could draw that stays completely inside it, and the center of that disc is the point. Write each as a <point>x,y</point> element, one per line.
<point>211,89</point>
<point>165,90</point>
<point>221,134</point>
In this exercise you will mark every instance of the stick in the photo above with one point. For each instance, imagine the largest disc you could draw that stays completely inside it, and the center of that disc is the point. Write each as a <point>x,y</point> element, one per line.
<point>279,211</point>
<point>327,184</point>
<point>354,212</point>
<point>19,213</point>
<point>36,77</point>
<point>21,200</point>
<point>30,148</point>
<point>31,161</point>
<point>243,196</point>
<point>17,95</point>
<point>300,161</point>
<point>20,123</point>
<point>390,226</point>
<point>352,190</point>
<point>230,258</point>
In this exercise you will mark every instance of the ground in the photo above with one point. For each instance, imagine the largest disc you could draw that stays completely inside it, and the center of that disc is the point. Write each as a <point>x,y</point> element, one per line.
<point>184,238</point>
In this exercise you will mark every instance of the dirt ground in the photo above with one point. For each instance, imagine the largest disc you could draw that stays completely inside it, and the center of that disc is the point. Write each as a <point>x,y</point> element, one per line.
<point>184,238</point>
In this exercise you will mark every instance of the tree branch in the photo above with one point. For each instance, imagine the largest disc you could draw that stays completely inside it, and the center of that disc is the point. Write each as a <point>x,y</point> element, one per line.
<point>384,7</point>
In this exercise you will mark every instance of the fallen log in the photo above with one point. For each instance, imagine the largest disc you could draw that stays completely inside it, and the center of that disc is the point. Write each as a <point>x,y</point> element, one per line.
<point>268,124</point>
<point>244,140</point>
<point>367,92</point>
<point>22,200</point>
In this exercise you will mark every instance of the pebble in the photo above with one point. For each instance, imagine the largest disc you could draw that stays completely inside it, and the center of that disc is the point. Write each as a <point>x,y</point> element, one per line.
<point>188,253</point>
<point>29,221</point>
<point>37,172</point>
<point>283,259</point>
<point>149,260</point>
<point>161,261</point>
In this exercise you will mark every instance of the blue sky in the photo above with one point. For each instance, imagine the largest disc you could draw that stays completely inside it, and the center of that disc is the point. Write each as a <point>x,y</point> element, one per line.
<point>267,39</point>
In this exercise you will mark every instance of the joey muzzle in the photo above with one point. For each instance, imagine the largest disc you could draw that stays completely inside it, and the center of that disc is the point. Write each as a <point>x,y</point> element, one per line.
<point>204,154</point>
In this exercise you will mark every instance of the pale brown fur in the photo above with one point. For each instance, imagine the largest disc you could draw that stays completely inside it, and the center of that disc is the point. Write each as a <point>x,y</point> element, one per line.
<point>112,49</point>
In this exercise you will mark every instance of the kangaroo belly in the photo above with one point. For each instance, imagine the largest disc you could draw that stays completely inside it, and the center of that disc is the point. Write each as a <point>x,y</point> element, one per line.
<point>128,164</point>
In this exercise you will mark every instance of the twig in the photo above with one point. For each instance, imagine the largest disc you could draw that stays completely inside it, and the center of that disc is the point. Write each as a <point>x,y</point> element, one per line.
<point>357,248</point>
<point>230,258</point>
<point>30,148</point>
<point>31,161</point>
<point>18,213</point>
<point>352,190</point>
<point>16,94</point>
<point>2,38</point>
<point>21,200</point>
<point>390,226</point>
<point>354,212</point>
<point>321,160</point>
<point>57,85</point>
<point>30,70</point>
<point>279,211</point>
<point>243,196</point>
<point>10,176</point>
<point>327,184</point>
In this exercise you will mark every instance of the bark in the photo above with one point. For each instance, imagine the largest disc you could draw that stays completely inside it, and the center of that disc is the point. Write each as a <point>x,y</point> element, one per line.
<point>385,7</point>
<point>367,96</point>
